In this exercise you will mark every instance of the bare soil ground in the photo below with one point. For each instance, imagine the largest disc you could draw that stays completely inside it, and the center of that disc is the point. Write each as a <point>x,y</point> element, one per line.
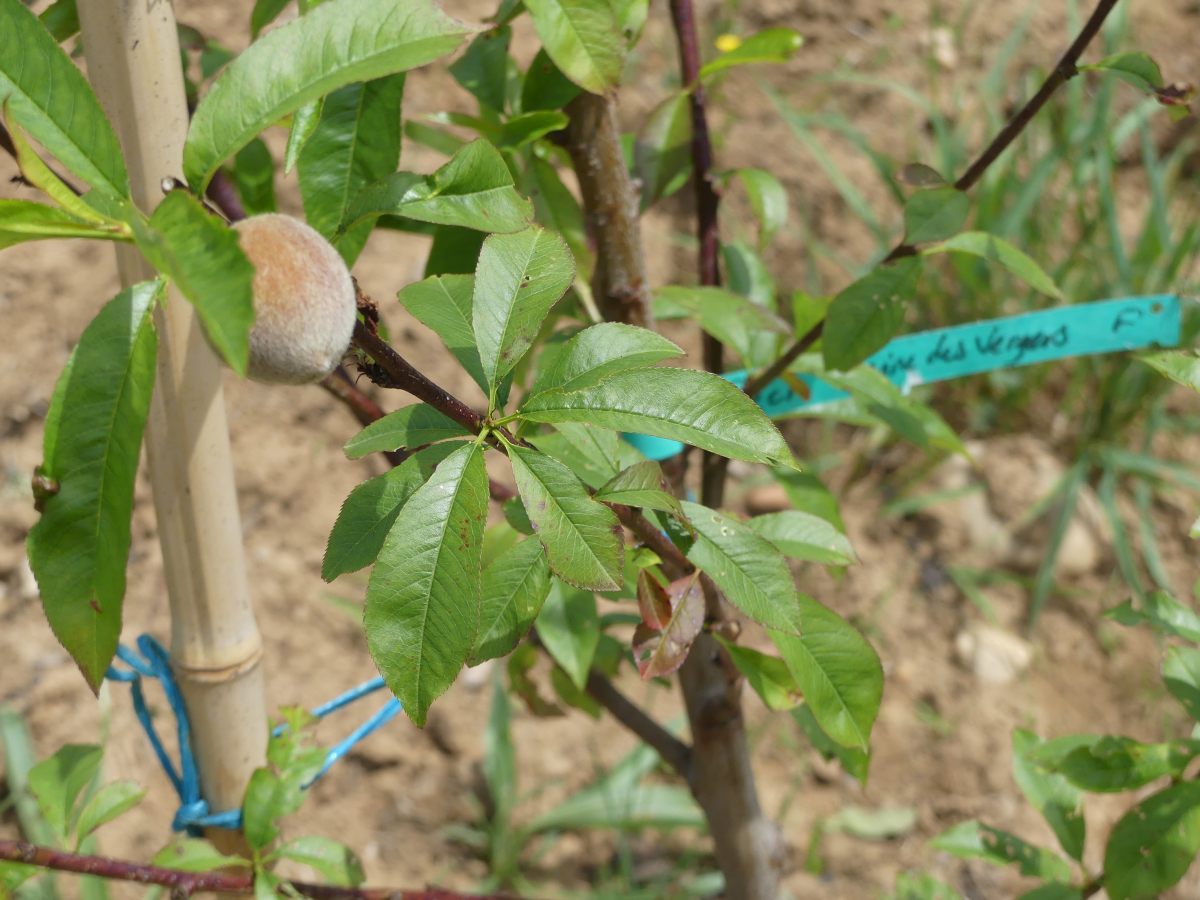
<point>942,744</point>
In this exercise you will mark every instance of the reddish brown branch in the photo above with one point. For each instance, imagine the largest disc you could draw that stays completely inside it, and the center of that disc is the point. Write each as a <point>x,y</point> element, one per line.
<point>611,205</point>
<point>1064,71</point>
<point>755,385</point>
<point>187,883</point>
<point>712,467</point>
<point>675,564</point>
<point>684,18</point>
<point>673,751</point>
<point>402,375</point>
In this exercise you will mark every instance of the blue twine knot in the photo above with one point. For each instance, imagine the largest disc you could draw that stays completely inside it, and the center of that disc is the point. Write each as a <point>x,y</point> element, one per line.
<point>193,814</point>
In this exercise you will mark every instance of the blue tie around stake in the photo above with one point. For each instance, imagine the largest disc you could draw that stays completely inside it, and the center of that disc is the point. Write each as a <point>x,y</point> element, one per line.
<point>1085,329</point>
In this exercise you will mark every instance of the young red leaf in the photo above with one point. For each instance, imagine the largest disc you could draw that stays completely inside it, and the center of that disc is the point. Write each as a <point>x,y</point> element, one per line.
<point>659,653</point>
<point>653,602</point>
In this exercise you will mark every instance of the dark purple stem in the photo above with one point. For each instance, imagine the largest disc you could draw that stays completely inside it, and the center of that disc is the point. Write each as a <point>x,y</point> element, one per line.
<point>186,883</point>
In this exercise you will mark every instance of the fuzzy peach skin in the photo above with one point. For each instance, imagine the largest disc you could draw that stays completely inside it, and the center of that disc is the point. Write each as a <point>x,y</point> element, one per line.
<point>304,303</point>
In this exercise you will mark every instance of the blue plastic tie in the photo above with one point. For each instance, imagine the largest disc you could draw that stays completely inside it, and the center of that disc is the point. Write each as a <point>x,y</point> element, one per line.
<point>193,815</point>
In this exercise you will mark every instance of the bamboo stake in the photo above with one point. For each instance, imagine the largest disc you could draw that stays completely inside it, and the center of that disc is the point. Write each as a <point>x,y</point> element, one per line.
<point>132,53</point>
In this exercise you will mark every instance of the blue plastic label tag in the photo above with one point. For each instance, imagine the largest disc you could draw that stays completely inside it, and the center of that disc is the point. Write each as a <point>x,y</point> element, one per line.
<point>1084,329</point>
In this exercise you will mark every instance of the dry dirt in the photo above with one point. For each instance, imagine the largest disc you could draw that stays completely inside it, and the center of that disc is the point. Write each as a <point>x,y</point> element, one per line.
<point>942,742</point>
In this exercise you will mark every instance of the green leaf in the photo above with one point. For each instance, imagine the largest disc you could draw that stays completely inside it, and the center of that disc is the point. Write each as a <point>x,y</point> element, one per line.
<point>519,277</point>
<point>79,548</point>
<point>578,452</point>
<point>935,214</point>
<point>631,15</point>
<point>371,509</point>
<point>194,855</point>
<point>434,138</point>
<point>751,572</point>
<point>455,251</point>
<point>304,122</point>
<point>331,858</point>
<point>1133,67</point>
<point>1060,804</point>
<point>768,199</point>
<point>625,807</point>
<point>584,39</point>
<point>1181,366</point>
<point>1053,891</point>
<point>1159,609</point>
<point>658,652</point>
<point>768,675</point>
<point>556,208</point>
<point>642,485</point>
<point>808,493</point>
<point>583,539</point>
<point>803,535</point>
<point>254,178</point>
<point>58,781</point>
<point>920,175</point>
<point>108,803</point>
<point>601,350</point>
<point>546,87</point>
<point>697,408</point>
<point>266,799</point>
<point>266,885</point>
<point>1153,844</point>
<point>473,190</point>
<point>867,314</point>
<point>411,426</point>
<point>515,586</point>
<point>483,69</point>
<point>514,514</point>
<point>355,143</point>
<point>336,44</point>
<point>1113,764</point>
<point>444,304</point>
<point>24,220</point>
<point>838,673</point>
<point>988,246</point>
<point>730,318</point>
<point>35,171</point>
<point>54,417</point>
<point>61,19</point>
<point>569,627</point>
<point>48,96</point>
<point>774,45</point>
<point>264,13</point>
<point>569,694</point>
<point>200,253</point>
<point>1181,674</point>
<point>974,840</point>
<point>529,127</point>
<point>422,609</point>
<point>499,756</point>
<point>855,762</point>
<point>662,152</point>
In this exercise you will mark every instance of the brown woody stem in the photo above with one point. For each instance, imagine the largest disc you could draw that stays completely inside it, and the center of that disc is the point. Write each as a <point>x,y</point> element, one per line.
<point>402,375</point>
<point>673,751</point>
<point>186,883</point>
<point>611,206</point>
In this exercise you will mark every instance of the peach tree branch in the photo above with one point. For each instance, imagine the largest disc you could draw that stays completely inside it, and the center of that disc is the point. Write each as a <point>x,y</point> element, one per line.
<point>183,884</point>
